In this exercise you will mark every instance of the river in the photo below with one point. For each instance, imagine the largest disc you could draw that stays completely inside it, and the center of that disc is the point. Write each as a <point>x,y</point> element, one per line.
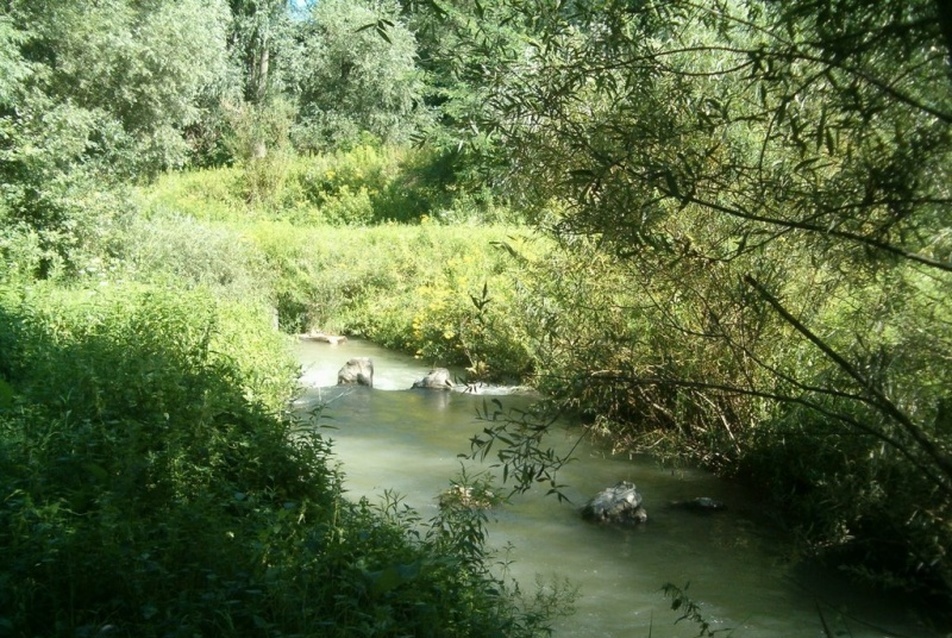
<point>408,441</point>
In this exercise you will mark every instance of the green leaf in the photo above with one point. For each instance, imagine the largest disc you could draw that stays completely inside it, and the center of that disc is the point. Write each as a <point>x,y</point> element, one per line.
<point>99,472</point>
<point>382,32</point>
<point>6,395</point>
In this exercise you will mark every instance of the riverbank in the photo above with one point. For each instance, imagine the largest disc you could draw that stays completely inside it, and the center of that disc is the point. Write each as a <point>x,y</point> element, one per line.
<point>646,364</point>
<point>733,249</point>
<point>643,366</point>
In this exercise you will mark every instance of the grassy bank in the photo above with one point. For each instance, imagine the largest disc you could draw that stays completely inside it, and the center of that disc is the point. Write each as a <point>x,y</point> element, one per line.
<point>152,481</point>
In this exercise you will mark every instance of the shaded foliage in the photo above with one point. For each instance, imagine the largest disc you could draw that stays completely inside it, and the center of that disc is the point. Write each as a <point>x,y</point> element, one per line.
<point>153,487</point>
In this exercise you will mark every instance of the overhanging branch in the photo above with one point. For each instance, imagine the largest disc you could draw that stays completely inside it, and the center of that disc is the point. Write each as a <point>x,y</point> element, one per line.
<point>879,400</point>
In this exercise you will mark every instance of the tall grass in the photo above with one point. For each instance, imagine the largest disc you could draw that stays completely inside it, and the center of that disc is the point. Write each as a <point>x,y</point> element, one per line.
<point>365,185</point>
<point>445,293</point>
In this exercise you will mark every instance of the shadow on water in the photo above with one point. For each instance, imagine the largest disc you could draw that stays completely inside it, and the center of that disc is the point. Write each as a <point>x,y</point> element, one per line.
<point>409,441</point>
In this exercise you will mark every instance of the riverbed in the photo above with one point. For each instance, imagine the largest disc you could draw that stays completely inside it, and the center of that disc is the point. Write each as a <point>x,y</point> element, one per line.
<point>739,572</point>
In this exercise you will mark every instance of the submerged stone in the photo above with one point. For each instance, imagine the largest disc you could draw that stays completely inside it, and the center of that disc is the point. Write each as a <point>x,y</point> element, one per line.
<point>701,504</point>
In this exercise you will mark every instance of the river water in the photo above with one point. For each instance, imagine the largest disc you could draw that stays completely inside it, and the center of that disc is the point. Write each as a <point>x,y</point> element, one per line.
<point>408,441</point>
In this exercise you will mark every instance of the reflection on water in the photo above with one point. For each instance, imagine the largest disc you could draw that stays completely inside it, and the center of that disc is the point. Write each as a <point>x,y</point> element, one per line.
<point>408,441</point>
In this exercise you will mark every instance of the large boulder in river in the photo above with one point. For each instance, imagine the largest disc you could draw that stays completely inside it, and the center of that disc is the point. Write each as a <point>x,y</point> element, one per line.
<point>619,504</point>
<point>359,370</point>
<point>436,379</point>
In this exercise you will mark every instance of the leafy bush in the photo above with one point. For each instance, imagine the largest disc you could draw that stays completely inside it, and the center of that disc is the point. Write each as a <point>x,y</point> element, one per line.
<point>858,481</point>
<point>150,488</point>
<point>258,142</point>
<point>132,433</point>
<point>206,194</point>
<point>345,187</point>
<point>21,254</point>
<point>182,251</point>
<point>854,502</point>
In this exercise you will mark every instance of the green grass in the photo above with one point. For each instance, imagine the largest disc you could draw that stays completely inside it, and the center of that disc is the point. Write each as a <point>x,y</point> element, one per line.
<point>365,185</point>
<point>212,194</point>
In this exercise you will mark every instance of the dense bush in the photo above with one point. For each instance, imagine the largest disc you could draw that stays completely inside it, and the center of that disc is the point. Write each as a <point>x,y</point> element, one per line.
<point>860,482</point>
<point>357,186</point>
<point>135,427</point>
<point>151,488</point>
<point>213,194</point>
<point>182,251</point>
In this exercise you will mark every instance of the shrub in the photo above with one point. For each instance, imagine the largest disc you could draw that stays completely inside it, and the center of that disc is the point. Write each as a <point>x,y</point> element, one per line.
<point>212,194</point>
<point>856,481</point>
<point>183,251</point>
<point>152,489</point>
<point>379,177</point>
<point>135,426</point>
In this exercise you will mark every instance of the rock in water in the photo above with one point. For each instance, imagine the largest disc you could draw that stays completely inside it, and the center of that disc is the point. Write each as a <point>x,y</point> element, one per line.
<point>358,371</point>
<point>619,504</point>
<point>436,379</point>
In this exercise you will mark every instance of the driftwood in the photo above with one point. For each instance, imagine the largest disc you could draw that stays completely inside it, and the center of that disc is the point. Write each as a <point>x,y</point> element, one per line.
<point>323,337</point>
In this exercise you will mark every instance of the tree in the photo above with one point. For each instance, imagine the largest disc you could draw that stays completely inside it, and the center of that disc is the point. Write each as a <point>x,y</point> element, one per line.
<point>263,47</point>
<point>145,68</point>
<point>465,49</point>
<point>259,27</point>
<point>771,183</point>
<point>359,75</point>
<point>94,93</point>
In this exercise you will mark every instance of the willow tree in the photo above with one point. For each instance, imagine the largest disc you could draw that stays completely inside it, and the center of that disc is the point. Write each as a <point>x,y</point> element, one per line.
<point>262,45</point>
<point>757,195</point>
<point>127,76</point>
